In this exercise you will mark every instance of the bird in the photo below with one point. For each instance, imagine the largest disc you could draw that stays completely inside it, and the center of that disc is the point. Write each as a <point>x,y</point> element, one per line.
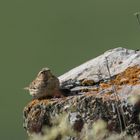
<point>45,85</point>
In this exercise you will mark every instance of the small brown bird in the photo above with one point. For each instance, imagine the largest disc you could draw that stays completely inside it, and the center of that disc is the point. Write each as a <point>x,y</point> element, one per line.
<point>45,85</point>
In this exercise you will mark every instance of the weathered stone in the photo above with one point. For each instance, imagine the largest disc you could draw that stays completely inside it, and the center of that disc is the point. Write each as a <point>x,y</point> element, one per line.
<point>94,95</point>
<point>96,69</point>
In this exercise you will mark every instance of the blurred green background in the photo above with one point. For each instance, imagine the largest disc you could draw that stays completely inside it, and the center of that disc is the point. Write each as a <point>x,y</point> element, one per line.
<point>59,34</point>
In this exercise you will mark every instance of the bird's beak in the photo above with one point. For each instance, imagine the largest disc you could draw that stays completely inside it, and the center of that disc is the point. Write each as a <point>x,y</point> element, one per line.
<point>26,88</point>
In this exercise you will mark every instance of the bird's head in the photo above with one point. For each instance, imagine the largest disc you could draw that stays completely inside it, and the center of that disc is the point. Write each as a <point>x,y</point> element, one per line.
<point>45,73</point>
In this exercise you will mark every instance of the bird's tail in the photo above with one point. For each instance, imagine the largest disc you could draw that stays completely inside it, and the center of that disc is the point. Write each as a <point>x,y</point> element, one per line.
<point>65,92</point>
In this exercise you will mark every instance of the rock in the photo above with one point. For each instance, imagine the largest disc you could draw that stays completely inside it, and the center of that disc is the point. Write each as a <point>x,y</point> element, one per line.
<point>100,89</point>
<point>118,60</point>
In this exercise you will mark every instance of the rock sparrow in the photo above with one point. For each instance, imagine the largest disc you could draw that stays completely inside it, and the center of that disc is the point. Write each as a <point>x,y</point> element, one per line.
<point>45,85</point>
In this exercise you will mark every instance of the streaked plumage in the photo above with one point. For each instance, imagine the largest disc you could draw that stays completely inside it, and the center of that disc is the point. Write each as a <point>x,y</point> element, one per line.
<point>45,85</point>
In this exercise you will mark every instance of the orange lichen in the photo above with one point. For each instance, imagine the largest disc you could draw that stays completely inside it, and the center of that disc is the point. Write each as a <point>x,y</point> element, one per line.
<point>104,85</point>
<point>33,102</point>
<point>88,82</point>
<point>36,101</point>
<point>130,76</point>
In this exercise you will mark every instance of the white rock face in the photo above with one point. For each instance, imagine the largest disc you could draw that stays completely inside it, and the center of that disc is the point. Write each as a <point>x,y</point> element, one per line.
<point>96,69</point>
<point>129,90</point>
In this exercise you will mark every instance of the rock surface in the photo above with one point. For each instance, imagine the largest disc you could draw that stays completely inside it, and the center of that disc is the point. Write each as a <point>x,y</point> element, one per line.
<point>100,89</point>
<point>118,60</point>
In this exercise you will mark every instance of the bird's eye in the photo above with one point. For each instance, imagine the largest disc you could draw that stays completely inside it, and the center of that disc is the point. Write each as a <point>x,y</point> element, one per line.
<point>43,72</point>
